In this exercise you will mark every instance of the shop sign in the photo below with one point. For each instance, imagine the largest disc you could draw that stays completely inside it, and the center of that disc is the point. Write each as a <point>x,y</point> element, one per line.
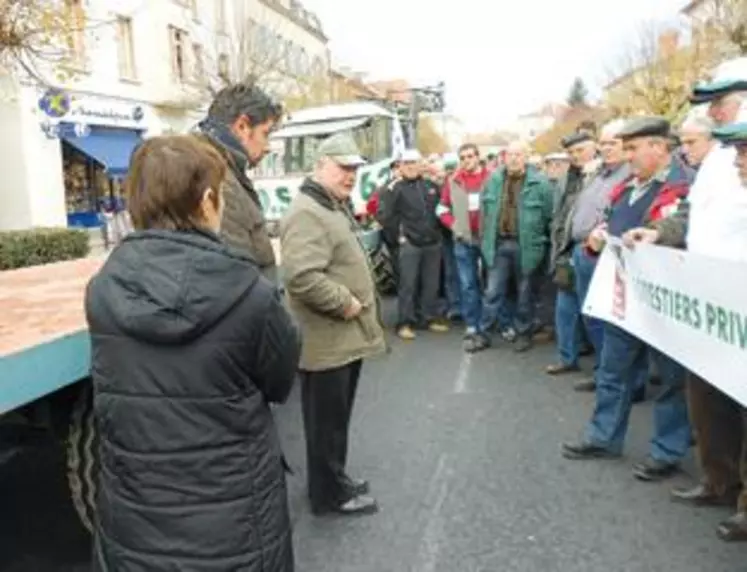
<point>59,105</point>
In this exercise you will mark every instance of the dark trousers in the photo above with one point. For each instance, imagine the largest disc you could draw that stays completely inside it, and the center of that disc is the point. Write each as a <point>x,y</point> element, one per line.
<point>419,270</point>
<point>505,268</point>
<point>327,399</point>
<point>720,427</point>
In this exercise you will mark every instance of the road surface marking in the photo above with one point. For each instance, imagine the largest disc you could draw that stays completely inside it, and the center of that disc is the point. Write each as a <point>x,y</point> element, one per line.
<point>465,366</point>
<point>433,535</point>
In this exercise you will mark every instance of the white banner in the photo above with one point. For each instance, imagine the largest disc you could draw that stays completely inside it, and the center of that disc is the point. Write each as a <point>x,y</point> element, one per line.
<point>691,307</point>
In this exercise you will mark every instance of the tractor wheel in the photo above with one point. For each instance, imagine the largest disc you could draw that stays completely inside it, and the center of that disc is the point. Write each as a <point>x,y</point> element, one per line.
<point>386,282</point>
<point>83,457</point>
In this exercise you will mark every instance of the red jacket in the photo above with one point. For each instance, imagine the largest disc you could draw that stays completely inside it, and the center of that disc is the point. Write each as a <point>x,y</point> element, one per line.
<point>472,183</point>
<point>372,205</point>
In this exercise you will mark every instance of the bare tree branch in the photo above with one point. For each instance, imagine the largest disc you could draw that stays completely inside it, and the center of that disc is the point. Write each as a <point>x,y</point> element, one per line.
<point>249,51</point>
<point>725,21</point>
<point>43,40</point>
<point>657,73</point>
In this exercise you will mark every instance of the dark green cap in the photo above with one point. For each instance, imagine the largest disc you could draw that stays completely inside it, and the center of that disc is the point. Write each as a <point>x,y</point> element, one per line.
<point>732,134</point>
<point>729,77</point>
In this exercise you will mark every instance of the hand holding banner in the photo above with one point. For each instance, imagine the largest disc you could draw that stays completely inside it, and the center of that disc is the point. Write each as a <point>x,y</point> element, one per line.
<point>691,307</point>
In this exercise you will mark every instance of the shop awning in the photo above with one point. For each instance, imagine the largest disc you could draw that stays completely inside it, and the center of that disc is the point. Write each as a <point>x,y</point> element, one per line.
<point>109,146</point>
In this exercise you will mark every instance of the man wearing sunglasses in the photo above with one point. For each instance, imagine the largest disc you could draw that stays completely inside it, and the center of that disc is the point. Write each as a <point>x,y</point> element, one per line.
<point>459,211</point>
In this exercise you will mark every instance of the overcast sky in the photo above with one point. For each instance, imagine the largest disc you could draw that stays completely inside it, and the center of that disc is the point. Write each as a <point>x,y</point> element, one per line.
<point>499,58</point>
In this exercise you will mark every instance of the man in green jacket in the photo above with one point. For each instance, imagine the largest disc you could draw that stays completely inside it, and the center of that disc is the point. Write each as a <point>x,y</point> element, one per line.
<point>516,213</point>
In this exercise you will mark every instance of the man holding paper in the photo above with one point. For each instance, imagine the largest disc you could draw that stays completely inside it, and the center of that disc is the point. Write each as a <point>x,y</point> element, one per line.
<point>659,182</point>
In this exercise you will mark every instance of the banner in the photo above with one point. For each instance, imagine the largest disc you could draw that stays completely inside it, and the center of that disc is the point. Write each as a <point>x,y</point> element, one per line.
<point>691,307</point>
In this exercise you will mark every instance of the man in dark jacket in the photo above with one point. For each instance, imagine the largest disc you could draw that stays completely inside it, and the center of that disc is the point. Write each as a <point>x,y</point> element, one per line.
<point>190,345</point>
<point>238,124</point>
<point>582,150</point>
<point>410,220</point>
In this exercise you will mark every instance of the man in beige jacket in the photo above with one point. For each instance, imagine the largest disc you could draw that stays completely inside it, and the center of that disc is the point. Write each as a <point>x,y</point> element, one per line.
<point>331,291</point>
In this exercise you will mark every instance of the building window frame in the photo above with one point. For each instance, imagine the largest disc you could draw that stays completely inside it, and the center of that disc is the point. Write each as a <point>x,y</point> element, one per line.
<point>179,44</point>
<point>126,49</point>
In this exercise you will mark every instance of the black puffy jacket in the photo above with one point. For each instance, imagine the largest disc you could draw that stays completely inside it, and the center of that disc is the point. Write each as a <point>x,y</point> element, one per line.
<point>189,346</point>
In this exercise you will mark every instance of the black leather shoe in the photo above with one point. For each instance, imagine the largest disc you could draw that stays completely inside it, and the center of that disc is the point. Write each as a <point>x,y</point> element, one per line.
<point>523,344</point>
<point>639,395</point>
<point>586,386</point>
<point>585,451</point>
<point>654,470</point>
<point>734,528</point>
<point>357,486</point>
<point>358,505</point>
<point>703,495</point>
<point>586,350</point>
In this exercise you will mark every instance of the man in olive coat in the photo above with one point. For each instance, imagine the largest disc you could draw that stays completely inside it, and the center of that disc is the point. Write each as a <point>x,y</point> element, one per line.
<point>332,293</point>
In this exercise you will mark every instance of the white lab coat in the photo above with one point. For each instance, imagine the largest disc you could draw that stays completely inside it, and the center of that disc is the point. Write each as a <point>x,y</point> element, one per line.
<point>717,224</point>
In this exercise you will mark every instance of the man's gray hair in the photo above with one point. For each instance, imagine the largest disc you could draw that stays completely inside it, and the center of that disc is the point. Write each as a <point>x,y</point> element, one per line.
<point>698,123</point>
<point>613,128</point>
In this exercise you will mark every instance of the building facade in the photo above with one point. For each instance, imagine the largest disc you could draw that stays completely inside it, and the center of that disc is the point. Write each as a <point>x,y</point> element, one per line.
<point>147,68</point>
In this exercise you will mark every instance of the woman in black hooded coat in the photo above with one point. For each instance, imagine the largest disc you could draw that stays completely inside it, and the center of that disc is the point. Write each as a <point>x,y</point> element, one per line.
<point>190,344</point>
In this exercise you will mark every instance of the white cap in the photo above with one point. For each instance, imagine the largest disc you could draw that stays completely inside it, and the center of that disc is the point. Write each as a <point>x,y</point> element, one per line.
<point>410,156</point>
<point>557,157</point>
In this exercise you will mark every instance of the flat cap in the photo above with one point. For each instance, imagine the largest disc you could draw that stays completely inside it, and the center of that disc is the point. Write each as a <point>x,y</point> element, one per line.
<point>732,134</point>
<point>646,127</point>
<point>342,149</point>
<point>729,77</point>
<point>575,138</point>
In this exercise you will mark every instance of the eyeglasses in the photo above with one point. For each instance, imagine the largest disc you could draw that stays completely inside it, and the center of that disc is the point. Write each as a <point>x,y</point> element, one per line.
<point>466,157</point>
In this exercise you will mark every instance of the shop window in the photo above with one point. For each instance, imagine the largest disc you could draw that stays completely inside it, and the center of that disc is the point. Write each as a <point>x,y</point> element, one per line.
<point>126,49</point>
<point>88,189</point>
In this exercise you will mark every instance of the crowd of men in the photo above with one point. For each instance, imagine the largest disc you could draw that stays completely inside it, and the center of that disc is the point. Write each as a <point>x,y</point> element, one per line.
<point>511,235</point>
<point>518,237</point>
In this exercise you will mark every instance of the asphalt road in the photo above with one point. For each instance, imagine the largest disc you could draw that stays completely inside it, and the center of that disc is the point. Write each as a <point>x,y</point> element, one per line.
<point>463,455</point>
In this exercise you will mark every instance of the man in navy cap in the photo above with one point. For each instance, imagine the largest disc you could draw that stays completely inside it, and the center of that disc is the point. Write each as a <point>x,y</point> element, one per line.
<point>719,421</point>
<point>657,184</point>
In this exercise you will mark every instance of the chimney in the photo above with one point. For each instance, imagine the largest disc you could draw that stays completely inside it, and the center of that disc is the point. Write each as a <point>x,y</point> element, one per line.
<point>669,41</point>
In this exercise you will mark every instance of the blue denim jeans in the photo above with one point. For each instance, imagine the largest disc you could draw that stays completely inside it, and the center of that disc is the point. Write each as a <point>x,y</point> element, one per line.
<point>568,326</point>
<point>623,357</point>
<point>583,266</point>
<point>496,304</point>
<point>467,257</point>
<point>583,269</point>
<point>451,278</point>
